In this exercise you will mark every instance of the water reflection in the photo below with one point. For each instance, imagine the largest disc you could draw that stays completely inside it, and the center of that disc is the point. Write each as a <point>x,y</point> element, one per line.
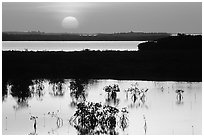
<point>124,121</point>
<point>4,90</point>
<point>59,122</point>
<point>145,124</point>
<point>6,124</point>
<point>100,107</point>
<point>21,93</point>
<point>179,97</point>
<point>78,91</point>
<point>112,94</point>
<point>57,87</point>
<point>37,89</point>
<point>34,118</point>
<point>138,96</point>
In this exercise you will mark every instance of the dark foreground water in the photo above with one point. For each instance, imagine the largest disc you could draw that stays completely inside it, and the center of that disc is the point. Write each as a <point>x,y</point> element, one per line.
<point>52,103</point>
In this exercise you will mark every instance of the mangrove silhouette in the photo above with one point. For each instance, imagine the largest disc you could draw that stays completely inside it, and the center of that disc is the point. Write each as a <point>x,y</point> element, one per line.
<point>94,119</point>
<point>112,91</point>
<point>177,58</point>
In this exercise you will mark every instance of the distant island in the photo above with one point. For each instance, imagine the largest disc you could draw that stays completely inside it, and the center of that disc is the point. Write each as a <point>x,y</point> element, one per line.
<point>173,58</point>
<point>42,36</point>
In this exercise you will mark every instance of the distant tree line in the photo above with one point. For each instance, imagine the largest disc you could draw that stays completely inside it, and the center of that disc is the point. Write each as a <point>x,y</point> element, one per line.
<point>130,36</point>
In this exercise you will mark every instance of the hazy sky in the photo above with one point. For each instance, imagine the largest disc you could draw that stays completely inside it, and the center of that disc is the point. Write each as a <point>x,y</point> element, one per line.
<point>103,17</point>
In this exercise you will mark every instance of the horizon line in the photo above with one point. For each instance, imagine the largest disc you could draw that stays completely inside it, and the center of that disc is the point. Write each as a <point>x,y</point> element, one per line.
<point>38,31</point>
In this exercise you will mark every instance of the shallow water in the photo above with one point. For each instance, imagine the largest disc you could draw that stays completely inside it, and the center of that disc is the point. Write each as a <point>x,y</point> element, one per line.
<point>163,113</point>
<point>69,45</point>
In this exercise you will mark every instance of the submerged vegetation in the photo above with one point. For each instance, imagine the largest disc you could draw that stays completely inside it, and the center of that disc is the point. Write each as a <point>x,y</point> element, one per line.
<point>89,118</point>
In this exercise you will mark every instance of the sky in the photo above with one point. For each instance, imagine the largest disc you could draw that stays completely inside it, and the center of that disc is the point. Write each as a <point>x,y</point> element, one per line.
<point>102,17</point>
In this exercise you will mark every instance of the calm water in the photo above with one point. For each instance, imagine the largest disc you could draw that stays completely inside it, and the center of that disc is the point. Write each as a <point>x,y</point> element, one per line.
<point>163,113</point>
<point>69,45</point>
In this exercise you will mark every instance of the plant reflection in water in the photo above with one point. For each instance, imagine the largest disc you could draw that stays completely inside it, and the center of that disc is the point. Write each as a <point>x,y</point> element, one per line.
<point>112,94</point>
<point>145,124</point>
<point>77,91</point>
<point>179,97</point>
<point>59,121</point>
<point>124,121</point>
<point>138,96</point>
<point>57,87</point>
<point>37,89</point>
<point>34,118</point>
<point>21,92</point>
<point>4,89</point>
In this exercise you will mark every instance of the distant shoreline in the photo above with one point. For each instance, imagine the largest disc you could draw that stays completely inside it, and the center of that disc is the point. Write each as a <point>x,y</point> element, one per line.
<point>41,36</point>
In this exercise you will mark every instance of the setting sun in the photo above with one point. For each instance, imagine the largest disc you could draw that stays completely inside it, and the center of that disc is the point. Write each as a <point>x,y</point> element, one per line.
<point>70,23</point>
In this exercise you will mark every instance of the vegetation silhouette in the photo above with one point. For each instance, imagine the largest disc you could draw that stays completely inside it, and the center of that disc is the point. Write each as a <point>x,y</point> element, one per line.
<point>179,43</point>
<point>94,119</point>
<point>175,58</point>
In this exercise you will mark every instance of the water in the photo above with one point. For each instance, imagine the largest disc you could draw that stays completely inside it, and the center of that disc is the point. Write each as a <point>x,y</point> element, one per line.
<point>160,113</point>
<point>69,45</point>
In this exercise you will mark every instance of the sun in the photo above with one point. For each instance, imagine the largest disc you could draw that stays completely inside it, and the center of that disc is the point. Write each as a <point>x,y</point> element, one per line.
<point>70,23</point>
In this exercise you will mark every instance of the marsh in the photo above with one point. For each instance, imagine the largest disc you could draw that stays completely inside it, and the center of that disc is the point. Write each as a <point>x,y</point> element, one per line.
<point>54,104</point>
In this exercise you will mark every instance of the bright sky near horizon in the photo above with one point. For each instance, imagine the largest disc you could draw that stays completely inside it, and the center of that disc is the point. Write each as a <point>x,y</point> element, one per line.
<point>107,17</point>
